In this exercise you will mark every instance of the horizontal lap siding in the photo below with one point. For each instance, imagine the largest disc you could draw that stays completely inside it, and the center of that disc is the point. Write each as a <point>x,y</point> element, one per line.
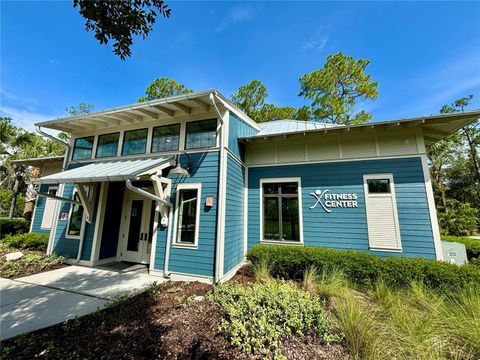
<point>233,251</point>
<point>238,128</point>
<point>69,247</point>
<point>198,261</point>
<point>346,228</point>
<point>39,210</point>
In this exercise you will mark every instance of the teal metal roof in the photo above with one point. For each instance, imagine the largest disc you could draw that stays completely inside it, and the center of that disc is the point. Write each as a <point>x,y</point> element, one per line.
<point>118,170</point>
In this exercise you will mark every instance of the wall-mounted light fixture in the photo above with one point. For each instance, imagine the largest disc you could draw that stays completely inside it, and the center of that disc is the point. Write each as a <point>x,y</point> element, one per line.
<point>179,170</point>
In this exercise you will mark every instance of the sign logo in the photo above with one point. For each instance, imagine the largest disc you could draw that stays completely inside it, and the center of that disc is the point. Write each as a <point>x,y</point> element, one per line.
<point>328,200</point>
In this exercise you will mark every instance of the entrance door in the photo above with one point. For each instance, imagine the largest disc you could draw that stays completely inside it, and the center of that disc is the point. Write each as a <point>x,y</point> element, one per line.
<point>137,234</point>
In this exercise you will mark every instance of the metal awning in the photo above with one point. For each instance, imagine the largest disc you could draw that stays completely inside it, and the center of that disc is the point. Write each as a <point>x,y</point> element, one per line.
<point>119,170</point>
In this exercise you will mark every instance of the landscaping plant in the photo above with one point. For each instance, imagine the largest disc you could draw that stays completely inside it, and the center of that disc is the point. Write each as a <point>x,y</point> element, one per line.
<point>259,316</point>
<point>13,226</point>
<point>31,241</point>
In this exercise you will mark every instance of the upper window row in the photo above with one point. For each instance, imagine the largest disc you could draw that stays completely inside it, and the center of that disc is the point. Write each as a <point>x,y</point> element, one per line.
<point>198,134</point>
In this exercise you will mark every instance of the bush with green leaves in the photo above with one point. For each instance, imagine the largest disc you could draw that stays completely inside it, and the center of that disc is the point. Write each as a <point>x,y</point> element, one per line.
<point>472,246</point>
<point>31,241</point>
<point>6,196</point>
<point>460,220</point>
<point>13,226</point>
<point>362,268</point>
<point>258,316</point>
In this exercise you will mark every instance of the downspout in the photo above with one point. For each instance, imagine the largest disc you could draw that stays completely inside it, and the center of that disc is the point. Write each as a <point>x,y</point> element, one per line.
<point>221,191</point>
<point>64,167</point>
<point>170,217</point>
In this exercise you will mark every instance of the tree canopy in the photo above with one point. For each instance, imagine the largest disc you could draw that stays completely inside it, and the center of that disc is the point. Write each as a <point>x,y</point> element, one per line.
<point>335,88</point>
<point>120,20</point>
<point>163,87</point>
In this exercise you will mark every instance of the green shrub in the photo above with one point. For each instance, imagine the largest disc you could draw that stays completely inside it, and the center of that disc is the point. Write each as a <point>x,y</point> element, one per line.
<point>13,226</point>
<point>364,269</point>
<point>460,220</point>
<point>6,200</point>
<point>471,245</point>
<point>31,241</point>
<point>258,316</point>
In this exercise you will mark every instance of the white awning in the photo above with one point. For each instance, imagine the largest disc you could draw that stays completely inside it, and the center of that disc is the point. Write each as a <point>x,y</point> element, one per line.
<point>119,170</point>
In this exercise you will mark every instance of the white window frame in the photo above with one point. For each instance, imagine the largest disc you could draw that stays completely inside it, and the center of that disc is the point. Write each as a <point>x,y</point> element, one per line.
<point>53,210</point>
<point>82,228</point>
<point>388,176</point>
<point>200,148</point>
<point>187,186</point>
<point>298,180</point>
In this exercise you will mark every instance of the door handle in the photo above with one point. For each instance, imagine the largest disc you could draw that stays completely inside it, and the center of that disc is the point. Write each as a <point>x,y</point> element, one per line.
<point>141,236</point>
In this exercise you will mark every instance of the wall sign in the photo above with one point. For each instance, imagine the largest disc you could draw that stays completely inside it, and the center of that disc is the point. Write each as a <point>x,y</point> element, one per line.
<point>328,200</point>
<point>63,216</point>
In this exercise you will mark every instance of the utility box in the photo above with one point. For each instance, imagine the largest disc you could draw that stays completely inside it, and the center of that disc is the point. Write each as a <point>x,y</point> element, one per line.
<point>454,253</point>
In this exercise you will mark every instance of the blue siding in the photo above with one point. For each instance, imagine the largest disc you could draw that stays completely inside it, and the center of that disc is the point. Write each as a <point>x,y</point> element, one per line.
<point>238,128</point>
<point>69,247</point>
<point>346,228</point>
<point>233,251</point>
<point>39,210</point>
<point>198,261</point>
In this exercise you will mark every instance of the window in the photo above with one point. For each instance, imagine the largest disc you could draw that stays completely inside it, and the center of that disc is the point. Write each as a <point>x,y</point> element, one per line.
<point>201,134</point>
<point>83,148</point>
<point>49,209</point>
<point>281,210</point>
<point>381,209</point>
<point>165,138</point>
<point>378,186</point>
<point>187,214</point>
<point>76,221</point>
<point>135,142</point>
<point>107,145</point>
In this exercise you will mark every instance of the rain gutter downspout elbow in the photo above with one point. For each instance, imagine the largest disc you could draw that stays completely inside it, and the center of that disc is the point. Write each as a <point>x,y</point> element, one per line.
<point>168,204</point>
<point>221,192</point>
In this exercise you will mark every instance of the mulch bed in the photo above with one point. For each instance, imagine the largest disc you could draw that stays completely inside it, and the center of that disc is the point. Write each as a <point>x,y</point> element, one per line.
<point>168,324</point>
<point>25,270</point>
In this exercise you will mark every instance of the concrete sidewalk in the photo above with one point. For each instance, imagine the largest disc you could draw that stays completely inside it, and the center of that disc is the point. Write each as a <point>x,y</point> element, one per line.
<point>41,300</point>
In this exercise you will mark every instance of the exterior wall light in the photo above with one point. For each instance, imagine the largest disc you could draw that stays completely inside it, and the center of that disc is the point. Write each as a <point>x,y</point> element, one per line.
<point>179,170</point>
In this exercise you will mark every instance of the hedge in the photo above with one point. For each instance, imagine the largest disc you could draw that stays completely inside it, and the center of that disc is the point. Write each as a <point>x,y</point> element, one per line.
<point>363,269</point>
<point>13,226</point>
<point>471,245</point>
<point>31,241</point>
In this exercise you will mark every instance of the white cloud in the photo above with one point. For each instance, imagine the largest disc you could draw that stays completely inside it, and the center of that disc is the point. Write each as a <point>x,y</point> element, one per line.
<point>235,16</point>
<point>24,118</point>
<point>10,97</point>
<point>319,40</point>
<point>54,62</point>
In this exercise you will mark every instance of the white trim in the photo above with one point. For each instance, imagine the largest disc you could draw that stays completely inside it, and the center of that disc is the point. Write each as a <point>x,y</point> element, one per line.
<point>232,272</point>
<point>245,213</point>
<point>437,242</point>
<point>153,249</point>
<point>97,234</point>
<point>90,263</point>
<point>33,214</point>
<point>391,194</point>
<point>298,180</point>
<point>336,160</point>
<point>187,186</point>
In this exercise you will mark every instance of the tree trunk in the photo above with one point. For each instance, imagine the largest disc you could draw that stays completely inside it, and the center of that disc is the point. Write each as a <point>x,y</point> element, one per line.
<point>14,198</point>
<point>473,154</point>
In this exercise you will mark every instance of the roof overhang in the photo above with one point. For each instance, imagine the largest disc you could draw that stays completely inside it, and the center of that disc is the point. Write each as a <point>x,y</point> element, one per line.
<point>434,127</point>
<point>38,161</point>
<point>159,109</point>
<point>119,170</point>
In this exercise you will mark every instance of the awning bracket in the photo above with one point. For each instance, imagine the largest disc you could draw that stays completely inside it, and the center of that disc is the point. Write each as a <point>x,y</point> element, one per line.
<point>86,202</point>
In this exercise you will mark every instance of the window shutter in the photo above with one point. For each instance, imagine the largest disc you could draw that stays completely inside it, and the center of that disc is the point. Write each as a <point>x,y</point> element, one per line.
<point>48,211</point>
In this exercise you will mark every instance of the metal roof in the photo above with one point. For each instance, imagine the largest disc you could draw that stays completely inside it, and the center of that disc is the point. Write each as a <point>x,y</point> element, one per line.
<point>288,126</point>
<point>119,170</point>
<point>434,127</point>
<point>136,113</point>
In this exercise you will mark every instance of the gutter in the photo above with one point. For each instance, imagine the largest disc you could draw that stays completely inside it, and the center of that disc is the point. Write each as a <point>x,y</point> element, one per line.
<point>170,217</point>
<point>221,192</point>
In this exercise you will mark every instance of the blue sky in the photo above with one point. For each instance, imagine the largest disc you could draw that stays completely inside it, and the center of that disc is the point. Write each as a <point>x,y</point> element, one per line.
<point>424,54</point>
